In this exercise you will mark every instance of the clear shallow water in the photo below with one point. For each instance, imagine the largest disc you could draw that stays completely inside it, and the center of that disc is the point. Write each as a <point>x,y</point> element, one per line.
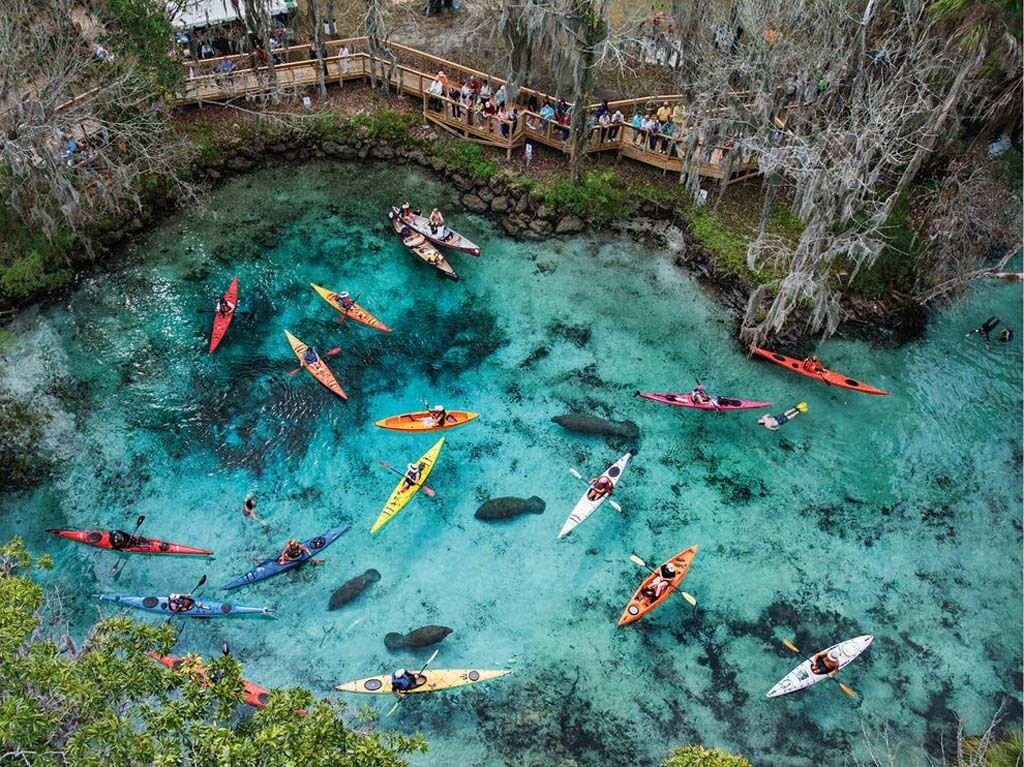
<point>896,516</point>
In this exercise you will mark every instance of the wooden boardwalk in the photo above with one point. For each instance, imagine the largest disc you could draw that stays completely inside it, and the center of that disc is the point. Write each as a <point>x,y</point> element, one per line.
<point>231,77</point>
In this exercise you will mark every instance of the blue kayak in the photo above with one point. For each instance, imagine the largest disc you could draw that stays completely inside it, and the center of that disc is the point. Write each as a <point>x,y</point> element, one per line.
<point>268,568</point>
<point>201,609</point>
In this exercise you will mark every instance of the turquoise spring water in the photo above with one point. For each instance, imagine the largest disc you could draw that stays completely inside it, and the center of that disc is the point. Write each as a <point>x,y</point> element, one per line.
<point>895,516</point>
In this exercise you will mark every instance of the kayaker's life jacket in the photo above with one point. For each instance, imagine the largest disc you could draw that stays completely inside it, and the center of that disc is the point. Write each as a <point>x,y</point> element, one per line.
<point>402,683</point>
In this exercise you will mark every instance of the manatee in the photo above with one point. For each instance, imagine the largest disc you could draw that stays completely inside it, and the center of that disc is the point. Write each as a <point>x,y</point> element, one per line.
<point>509,506</point>
<point>352,589</point>
<point>421,637</point>
<point>591,424</point>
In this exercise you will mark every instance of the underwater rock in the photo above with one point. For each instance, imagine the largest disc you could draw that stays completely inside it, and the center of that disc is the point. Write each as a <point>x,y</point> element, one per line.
<point>352,589</point>
<point>421,637</point>
<point>591,424</point>
<point>509,506</point>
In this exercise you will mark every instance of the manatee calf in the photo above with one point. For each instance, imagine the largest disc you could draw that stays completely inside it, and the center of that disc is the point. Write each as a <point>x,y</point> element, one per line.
<point>509,506</point>
<point>352,589</point>
<point>421,637</point>
<point>591,424</point>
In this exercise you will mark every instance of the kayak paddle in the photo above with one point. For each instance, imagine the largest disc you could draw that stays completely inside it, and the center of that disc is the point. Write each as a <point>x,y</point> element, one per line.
<point>790,646</point>
<point>117,565</point>
<point>611,503</point>
<point>400,696</point>
<point>425,488</point>
<point>342,317</point>
<point>330,353</point>
<point>688,597</point>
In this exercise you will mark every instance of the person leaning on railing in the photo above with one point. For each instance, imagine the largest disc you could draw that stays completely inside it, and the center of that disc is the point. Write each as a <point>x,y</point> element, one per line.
<point>618,119</point>
<point>638,124</point>
<point>651,126</point>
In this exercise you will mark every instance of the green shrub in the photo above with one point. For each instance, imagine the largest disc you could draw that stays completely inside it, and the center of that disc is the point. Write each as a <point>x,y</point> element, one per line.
<point>467,158</point>
<point>208,145</point>
<point>698,756</point>
<point>600,198</point>
<point>727,246</point>
<point>385,125</point>
<point>30,274</point>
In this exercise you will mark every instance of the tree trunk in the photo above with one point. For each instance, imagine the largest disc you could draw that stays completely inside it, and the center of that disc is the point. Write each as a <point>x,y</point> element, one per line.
<point>586,20</point>
<point>318,42</point>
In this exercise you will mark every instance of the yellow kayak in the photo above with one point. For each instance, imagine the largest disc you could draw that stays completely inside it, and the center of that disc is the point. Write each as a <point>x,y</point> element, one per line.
<point>422,421</point>
<point>431,680</point>
<point>402,494</point>
<point>319,369</point>
<point>357,313</point>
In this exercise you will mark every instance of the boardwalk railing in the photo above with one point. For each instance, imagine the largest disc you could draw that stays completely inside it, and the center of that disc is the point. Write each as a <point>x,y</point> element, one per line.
<point>229,77</point>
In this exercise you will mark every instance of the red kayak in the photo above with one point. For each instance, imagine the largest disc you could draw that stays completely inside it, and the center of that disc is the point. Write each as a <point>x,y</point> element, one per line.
<point>686,400</point>
<point>253,694</point>
<point>817,372</point>
<point>135,544</point>
<point>221,321</point>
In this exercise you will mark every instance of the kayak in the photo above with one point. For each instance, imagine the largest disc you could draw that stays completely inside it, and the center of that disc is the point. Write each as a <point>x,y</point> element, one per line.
<point>445,237</point>
<point>199,610</point>
<point>802,677</point>
<point>638,605</point>
<point>828,376</point>
<point>319,369</point>
<point>252,694</point>
<point>432,680</point>
<point>268,568</point>
<point>686,400</point>
<point>220,323</point>
<point>422,421</point>
<point>586,506</point>
<point>139,545</point>
<point>357,313</point>
<point>422,249</point>
<point>400,497</point>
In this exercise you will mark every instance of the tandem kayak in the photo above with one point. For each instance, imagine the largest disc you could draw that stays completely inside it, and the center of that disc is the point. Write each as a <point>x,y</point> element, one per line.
<point>357,313</point>
<point>221,322</point>
<point>639,605</point>
<point>828,376</point>
<point>446,237</point>
<point>252,693</point>
<point>401,495</point>
<point>268,568</point>
<point>201,609</point>
<point>686,400</point>
<point>422,421</point>
<point>136,544</point>
<point>802,677</point>
<point>430,681</point>
<point>422,249</point>
<point>319,370</point>
<point>587,505</point>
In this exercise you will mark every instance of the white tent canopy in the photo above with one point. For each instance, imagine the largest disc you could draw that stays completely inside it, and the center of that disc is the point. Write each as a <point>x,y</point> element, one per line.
<point>203,13</point>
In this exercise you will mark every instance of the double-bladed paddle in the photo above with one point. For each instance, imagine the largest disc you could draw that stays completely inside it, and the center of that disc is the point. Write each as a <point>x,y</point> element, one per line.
<point>688,597</point>
<point>119,563</point>
<point>790,646</point>
<point>400,695</point>
<point>425,488</point>
<point>329,353</point>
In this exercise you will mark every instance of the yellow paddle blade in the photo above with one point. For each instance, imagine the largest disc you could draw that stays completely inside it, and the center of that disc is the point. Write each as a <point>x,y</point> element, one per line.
<point>637,561</point>
<point>847,690</point>
<point>689,598</point>
<point>389,713</point>
<point>802,407</point>
<point>790,646</point>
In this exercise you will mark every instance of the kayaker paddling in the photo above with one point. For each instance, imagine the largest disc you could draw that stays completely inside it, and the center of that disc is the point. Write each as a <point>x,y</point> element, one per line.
<point>403,681</point>
<point>438,415</point>
<point>600,487</point>
<point>813,365</point>
<point>121,540</point>
<point>654,590</point>
<point>293,550</point>
<point>345,301</point>
<point>180,603</point>
<point>310,357</point>
<point>823,664</point>
<point>413,472</point>
<point>224,307</point>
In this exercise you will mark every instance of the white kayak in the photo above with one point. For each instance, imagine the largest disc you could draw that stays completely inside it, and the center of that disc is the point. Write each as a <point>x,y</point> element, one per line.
<point>802,677</point>
<point>587,506</point>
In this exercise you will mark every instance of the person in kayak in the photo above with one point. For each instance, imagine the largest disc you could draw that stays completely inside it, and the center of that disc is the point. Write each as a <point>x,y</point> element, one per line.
<point>600,487</point>
<point>344,301</point>
<point>120,540</point>
<point>438,414</point>
<point>310,357</point>
<point>824,664</point>
<point>403,681</point>
<point>654,590</point>
<point>180,603</point>
<point>224,307</point>
<point>436,222</point>
<point>986,327</point>
<point>700,395</point>
<point>407,212</point>
<point>1006,335</point>
<point>293,550</point>
<point>813,365</point>
<point>413,472</point>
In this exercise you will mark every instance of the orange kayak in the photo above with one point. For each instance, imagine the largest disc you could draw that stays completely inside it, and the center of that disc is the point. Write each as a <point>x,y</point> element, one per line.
<point>319,369</point>
<point>422,421</point>
<point>357,313</point>
<point>823,374</point>
<point>639,605</point>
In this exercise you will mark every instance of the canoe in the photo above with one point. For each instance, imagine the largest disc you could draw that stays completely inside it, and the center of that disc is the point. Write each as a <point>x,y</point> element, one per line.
<point>220,324</point>
<point>585,507</point>
<point>201,609</point>
<point>433,680</point>
<point>422,249</point>
<point>446,237</point>
<point>252,694</point>
<point>270,567</point>
<point>802,677</point>
<point>399,497</point>
<point>357,313</point>
<point>319,371</point>
<point>638,606</point>
<point>828,376</point>
<point>421,421</point>
<point>139,545</point>
<point>686,400</point>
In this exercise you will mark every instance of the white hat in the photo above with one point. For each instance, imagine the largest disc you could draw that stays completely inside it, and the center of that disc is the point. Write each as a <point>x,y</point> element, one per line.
<point>399,672</point>
<point>411,466</point>
<point>344,294</point>
<point>437,408</point>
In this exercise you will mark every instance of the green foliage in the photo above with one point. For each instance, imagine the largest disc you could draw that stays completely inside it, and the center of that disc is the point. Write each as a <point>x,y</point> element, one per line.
<point>108,703</point>
<point>385,125</point>
<point>601,196</point>
<point>893,270</point>
<point>467,158</point>
<point>1007,752</point>
<point>32,273</point>
<point>726,245</point>
<point>143,33</point>
<point>207,144</point>
<point>698,756</point>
